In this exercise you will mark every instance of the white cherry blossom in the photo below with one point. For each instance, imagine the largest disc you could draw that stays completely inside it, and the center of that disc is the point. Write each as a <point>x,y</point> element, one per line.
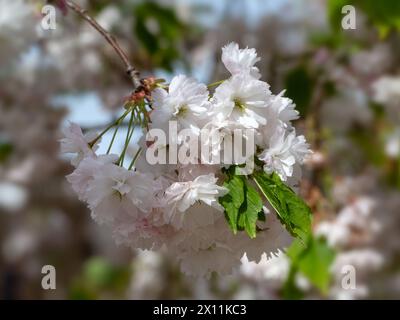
<point>239,61</point>
<point>241,100</point>
<point>180,196</point>
<point>283,152</point>
<point>186,102</point>
<point>76,142</point>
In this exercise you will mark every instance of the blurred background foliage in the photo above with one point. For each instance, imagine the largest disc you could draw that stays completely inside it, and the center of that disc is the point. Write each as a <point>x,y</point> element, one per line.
<point>327,71</point>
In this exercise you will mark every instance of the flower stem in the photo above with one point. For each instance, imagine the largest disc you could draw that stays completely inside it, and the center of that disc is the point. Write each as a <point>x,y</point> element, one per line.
<point>113,138</point>
<point>135,158</point>
<point>128,137</point>
<point>216,83</point>
<point>117,122</point>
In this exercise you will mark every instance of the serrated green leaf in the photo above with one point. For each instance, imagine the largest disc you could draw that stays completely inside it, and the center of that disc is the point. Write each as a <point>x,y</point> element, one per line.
<point>248,212</point>
<point>291,209</point>
<point>233,200</point>
<point>242,204</point>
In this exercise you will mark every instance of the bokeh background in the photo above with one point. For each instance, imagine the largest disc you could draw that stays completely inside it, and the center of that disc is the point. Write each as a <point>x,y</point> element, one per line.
<point>346,84</point>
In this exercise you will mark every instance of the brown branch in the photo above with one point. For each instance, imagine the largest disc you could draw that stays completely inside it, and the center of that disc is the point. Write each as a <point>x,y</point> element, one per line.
<point>130,70</point>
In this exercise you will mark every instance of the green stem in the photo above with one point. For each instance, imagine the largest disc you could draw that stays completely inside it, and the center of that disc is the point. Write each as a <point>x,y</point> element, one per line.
<point>117,122</point>
<point>113,138</point>
<point>163,86</point>
<point>216,83</point>
<point>135,158</point>
<point>146,119</point>
<point>127,139</point>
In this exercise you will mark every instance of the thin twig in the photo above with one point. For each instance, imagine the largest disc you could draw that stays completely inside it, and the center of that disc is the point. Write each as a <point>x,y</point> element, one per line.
<point>130,70</point>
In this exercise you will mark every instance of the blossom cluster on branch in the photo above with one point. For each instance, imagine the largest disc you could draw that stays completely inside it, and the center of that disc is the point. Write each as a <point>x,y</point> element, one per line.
<point>203,213</point>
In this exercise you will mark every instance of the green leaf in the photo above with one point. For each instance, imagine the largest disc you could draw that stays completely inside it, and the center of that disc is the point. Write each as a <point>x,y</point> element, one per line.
<point>291,209</point>
<point>261,215</point>
<point>313,260</point>
<point>290,291</point>
<point>249,211</point>
<point>335,15</point>
<point>159,31</point>
<point>242,204</point>
<point>99,276</point>
<point>233,200</point>
<point>5,151</point>
<point>99,272</point>
<point>384,14</point>
<point>299,86</point>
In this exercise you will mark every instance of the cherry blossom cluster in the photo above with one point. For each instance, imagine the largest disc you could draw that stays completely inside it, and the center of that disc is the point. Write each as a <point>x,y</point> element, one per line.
<point>175,207</point>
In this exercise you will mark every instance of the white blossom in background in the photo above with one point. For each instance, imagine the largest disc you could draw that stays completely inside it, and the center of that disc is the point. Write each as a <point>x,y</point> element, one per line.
<point>357,231</point>
<point>13,197</point>
<point>147,280</point>
<point>356,216</point>
<point>17,28</point>
<point>392,147</point>
<point>365,263</point>
<point>355,227</point>
<point>348,107</point>
<point>267,277</point>
<point>240,61</point>
<point>372,61</point>
<point>386,90</point>
<point>274,269</point>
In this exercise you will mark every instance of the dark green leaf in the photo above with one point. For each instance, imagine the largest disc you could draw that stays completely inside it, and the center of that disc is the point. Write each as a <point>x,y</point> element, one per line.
<point>233,200</point>
<point>313,260</point>
<point>384,14</point>
<point>248,212</point>
<point>299,85</point>
<point>335,14</point>
<point>291,209</point>
<point>290,291</point>
<point>159,31</point>
<point>5,151</point>
<point>242,204</point>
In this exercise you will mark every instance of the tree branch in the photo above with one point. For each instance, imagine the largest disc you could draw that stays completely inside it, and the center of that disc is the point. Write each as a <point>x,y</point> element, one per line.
<point>130,70</point>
